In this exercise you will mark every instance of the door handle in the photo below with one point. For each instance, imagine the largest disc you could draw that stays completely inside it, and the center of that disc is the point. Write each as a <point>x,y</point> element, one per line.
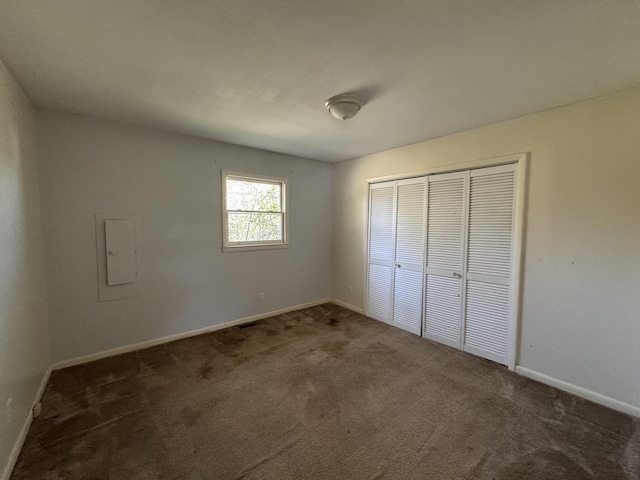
<point>457,275</point>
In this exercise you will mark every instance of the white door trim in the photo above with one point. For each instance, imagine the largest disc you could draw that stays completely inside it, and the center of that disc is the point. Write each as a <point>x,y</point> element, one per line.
<point>517,271</point>
<point>455,167</point>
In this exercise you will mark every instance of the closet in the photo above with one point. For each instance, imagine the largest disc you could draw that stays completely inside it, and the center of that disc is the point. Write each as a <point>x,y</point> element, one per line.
<point>441,258</point>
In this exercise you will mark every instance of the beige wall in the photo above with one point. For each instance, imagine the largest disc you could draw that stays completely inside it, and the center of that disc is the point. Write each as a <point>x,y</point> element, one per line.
<point>581,292</point>
<point>24,334</point>
<point>89,166</point>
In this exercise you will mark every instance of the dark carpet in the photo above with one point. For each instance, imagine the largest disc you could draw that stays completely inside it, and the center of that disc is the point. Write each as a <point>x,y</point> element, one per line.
<point>320,393</point>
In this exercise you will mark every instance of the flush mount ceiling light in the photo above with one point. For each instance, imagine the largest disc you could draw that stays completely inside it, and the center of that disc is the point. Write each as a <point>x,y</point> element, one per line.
<point>343,106</point>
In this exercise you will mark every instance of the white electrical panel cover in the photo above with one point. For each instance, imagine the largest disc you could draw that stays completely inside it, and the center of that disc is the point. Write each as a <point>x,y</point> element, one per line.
<point>119,252</point>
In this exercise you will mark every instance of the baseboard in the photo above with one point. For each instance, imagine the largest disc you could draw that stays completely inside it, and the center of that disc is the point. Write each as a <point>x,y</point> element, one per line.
<point>579,391</point>
<point>346,305</point>
<point>178,336</point>
<point>43,384</point>
<point>17,447</point>
<point>22,436</point>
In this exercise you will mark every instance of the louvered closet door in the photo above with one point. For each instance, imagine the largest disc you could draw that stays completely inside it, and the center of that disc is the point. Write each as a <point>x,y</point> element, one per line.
<point>409,255</point>
<point>489,261</point>
<point>446,214</point>
<point>381,250</point>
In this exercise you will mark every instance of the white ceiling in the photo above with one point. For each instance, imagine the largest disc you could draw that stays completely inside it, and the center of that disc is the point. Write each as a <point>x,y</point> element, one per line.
<point>257,72</point>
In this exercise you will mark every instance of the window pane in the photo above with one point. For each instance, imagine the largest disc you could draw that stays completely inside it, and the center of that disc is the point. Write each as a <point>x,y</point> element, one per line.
<point>253,196</point>
<point>255,227</point>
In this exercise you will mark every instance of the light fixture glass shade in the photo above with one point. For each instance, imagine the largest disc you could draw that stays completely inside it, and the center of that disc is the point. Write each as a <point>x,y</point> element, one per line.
<point>344,106</point>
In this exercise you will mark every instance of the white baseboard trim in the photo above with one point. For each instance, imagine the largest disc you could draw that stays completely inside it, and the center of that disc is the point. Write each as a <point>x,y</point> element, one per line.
<point>579,391</point>
<point>346,305</point>
<point>43,384</point>
<point>17,447</point>
<point>22,436</point>
<point>178,336</point>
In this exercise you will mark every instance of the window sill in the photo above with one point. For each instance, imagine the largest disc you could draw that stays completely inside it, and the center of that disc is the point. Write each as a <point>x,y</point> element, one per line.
<point>250,248</point>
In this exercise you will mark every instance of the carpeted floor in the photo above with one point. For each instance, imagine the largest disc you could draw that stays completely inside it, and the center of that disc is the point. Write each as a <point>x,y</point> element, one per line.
<point>321,393</point>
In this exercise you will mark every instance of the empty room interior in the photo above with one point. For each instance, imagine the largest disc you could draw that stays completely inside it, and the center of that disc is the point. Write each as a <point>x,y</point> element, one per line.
<point>319,239</point>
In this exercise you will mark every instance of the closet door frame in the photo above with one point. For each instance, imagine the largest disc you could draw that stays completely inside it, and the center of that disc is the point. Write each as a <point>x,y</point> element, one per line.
<point>521,160</point>
<point>517,270</point>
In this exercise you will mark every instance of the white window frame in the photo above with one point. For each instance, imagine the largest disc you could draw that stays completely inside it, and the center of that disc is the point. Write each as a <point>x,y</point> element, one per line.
<point>228,246</point>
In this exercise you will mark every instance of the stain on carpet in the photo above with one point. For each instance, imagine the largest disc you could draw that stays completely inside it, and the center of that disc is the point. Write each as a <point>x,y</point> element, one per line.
<point>190,416</point>
<point>205,371</point>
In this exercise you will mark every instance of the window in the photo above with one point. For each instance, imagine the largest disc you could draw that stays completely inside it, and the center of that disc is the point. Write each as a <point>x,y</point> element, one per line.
<point>254,215</point>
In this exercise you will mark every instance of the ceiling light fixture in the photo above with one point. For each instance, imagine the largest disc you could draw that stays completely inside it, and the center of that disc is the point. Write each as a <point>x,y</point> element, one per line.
<point>343,106</point>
